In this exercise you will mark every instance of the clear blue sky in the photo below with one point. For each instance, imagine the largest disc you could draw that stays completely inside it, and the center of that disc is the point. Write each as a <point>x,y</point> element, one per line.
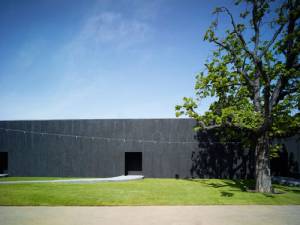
<point>100,59</point>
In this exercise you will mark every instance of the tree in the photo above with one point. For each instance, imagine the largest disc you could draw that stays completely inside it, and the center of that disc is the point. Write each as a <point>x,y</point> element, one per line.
<point>254,77</point>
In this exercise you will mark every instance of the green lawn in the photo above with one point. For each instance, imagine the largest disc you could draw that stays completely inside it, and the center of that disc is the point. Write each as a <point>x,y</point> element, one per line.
<point>143,192</point>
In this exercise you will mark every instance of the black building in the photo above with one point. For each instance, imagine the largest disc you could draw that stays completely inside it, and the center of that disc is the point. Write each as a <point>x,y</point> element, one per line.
<point>113,147</point>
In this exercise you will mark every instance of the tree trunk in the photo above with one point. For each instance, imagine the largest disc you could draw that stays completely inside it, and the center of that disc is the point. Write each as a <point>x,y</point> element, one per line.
<point>262,168</point>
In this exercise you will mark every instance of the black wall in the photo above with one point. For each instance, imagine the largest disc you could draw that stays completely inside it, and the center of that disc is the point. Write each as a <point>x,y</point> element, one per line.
<point>169,147</point>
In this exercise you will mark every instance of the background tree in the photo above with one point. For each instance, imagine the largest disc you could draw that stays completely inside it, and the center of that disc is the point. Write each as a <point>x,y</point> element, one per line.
<point>254,77</point>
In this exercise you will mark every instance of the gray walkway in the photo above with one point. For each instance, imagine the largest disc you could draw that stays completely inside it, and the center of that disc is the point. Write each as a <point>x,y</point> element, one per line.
<point>81,181</point>
<point>151,215</point>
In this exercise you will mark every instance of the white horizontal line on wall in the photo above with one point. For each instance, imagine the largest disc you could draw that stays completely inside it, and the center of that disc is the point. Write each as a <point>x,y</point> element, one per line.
<point>111,138</point>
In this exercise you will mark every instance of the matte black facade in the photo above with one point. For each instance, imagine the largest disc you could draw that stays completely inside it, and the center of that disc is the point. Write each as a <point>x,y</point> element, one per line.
<point>96,148</point>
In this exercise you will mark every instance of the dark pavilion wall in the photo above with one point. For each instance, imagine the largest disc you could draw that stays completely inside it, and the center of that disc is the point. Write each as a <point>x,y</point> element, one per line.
<point>169,149</point>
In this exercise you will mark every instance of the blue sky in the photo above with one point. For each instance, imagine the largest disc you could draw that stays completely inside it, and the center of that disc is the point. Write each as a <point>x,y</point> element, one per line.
<point>100,59</point>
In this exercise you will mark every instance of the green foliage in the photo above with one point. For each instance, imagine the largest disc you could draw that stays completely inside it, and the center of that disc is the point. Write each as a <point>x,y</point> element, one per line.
<point>246,76</point>
<point>274,150</point>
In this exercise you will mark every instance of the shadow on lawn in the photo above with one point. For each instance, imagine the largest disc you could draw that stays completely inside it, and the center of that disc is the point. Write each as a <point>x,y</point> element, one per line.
<point>229,185</point>
<point>268,195</point>
<point>241,185</point>
<point>288,189</point>
<point>226,194</point>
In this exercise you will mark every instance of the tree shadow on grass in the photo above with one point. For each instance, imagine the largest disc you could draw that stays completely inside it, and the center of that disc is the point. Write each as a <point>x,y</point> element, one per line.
<point>288,189</point>
<point>297,191</point>
<point>234,185</point>
<point>268,195</point>
<point>226,194</point>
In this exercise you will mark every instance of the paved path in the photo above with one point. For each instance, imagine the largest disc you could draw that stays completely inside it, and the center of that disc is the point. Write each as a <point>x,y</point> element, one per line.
<point>81,181</point>
<point>151,215</point>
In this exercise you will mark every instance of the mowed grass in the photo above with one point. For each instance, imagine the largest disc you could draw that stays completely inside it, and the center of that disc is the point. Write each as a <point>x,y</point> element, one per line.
<point>143,192</point>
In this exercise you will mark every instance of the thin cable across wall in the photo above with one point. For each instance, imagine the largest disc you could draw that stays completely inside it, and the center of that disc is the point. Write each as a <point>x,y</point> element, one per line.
<point>110,138</point>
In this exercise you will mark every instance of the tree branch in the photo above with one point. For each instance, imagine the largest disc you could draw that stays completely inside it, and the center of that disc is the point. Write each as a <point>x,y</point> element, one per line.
<point>254,84</point>
<point>256,60</point>
<point>256,26</point>
<point>272,40</point>
<point>256,93</point>
<point>275,94</point>
<point>239,35</point>
<point>205,127</point>
<point>291,58</point>
<point>202,124</point>
<point>240,70</point>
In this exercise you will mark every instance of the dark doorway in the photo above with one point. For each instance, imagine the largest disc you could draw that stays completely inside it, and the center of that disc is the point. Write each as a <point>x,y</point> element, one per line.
<point>3,162</point>
<point>133,163</point>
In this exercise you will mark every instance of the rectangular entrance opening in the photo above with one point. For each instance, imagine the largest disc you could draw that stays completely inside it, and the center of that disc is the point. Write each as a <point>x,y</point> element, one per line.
<point>133,163</point>
<point>3,162</point>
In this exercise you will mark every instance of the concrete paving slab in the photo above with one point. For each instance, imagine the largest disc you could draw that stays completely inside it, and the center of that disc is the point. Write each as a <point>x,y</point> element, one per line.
<point>151,215</point>
<point>80,181</point>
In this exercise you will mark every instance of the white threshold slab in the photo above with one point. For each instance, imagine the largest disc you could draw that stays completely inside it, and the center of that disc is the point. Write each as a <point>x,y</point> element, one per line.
<point>79,181</point>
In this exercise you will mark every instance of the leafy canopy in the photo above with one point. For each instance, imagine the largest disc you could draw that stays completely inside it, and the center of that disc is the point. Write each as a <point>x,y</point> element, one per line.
<point>253,73</point>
